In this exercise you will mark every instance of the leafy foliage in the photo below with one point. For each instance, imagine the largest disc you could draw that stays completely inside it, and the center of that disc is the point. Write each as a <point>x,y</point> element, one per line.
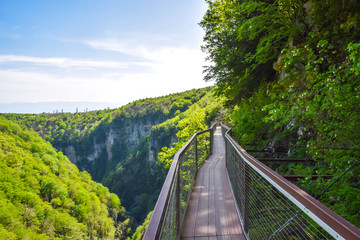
<point>243,39</point>
<point>325,114</point>
<point>290,72</point>
<point>140,230</point>
<point>44,196</point>
<point>197,118</point>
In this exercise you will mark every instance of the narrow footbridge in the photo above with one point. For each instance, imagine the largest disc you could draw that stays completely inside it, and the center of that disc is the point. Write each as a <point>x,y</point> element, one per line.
<point>216,190</point>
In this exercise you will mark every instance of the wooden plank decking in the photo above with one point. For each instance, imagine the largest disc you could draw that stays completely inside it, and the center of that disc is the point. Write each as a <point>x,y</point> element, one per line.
<point>211,213</point>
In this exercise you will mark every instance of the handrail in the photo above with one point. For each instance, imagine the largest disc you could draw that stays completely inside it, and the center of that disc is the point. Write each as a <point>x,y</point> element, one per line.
<point>169,210</point>
<point>285,223</point>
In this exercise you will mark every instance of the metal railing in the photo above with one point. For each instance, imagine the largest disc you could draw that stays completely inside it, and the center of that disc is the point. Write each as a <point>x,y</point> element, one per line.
<point>270,207</point>
<point>171,205</point>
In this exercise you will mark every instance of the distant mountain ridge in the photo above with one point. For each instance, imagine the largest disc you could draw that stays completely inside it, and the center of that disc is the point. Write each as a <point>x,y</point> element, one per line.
<point>54,107</point>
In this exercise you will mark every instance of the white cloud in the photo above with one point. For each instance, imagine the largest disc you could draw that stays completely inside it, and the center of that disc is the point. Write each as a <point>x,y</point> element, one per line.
<point>158,71</point>
<point>128,47</point>
<point>175,67</point>
<point>28,86</point>
<point>66,62</point>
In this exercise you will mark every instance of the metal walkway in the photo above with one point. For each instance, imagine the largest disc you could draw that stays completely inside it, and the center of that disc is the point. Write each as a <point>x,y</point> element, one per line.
<point>211,213</point>
<point>235,196</point>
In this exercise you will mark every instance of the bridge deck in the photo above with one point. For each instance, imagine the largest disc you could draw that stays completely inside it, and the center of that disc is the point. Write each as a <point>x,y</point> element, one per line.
<point>211,213</point>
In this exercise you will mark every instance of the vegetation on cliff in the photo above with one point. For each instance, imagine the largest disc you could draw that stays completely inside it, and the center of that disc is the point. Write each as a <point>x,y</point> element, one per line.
<point>289,71</point>
<point>44,196</point>
<point>119,147</point>
<point>140,230</point>
<point>197,118</point>
<point>79,129</point>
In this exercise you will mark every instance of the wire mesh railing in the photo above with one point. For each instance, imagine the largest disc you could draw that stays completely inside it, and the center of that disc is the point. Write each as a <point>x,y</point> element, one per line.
<point>170,208</point>
<point>270,207</point>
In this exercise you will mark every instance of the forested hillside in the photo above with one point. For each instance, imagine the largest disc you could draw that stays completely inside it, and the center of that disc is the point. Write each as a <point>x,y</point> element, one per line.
<point>120,147</point>
<point>197,118</point>
<point>289,71</point>
<point>44,196</point>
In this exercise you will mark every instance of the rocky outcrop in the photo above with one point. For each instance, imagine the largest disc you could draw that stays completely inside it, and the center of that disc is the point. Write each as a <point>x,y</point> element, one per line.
<point>124,138</point>
<point>110,137</point>
<point>70,153</point>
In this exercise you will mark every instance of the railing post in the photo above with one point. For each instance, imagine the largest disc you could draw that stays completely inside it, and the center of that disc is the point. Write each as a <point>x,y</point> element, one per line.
<point>196,154</point>
<point>211,139</point>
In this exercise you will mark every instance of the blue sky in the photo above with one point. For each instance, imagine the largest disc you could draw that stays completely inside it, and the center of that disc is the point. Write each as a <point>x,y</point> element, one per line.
<point>99,50</point>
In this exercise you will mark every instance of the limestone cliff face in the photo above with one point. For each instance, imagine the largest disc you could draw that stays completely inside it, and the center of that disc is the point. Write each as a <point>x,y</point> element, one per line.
<point>123,156</point>
<point>110,137</point>
<point>134,132</point>
<point>122,138</point>
<point>70,152</point>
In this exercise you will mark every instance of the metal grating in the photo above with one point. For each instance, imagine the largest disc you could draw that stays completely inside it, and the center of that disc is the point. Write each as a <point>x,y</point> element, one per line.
<point>169,225</point>
<point>174,197</point>
<point>265,212</point>
<point>269,206</point>
<point>187,176</point>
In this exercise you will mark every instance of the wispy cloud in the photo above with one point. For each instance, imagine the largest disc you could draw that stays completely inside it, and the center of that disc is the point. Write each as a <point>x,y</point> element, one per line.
<point>150,54</point>
<point>18,85</point>
<point>116,45</point>
<point>155,71</point>
<point>66,62</point>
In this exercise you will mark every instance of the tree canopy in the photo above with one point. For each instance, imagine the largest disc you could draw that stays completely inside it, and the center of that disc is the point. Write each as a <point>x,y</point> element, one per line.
<point>289,70</point>
<point>44,196</point>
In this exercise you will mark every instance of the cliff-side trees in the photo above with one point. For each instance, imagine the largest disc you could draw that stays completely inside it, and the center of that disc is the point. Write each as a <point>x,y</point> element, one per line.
<point>305,58</point>
<point>44,196</point>
<point>244,38</point>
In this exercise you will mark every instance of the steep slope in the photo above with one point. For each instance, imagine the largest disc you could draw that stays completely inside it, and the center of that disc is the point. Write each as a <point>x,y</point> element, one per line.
<point>44,196</point>
<point>119,147</point>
